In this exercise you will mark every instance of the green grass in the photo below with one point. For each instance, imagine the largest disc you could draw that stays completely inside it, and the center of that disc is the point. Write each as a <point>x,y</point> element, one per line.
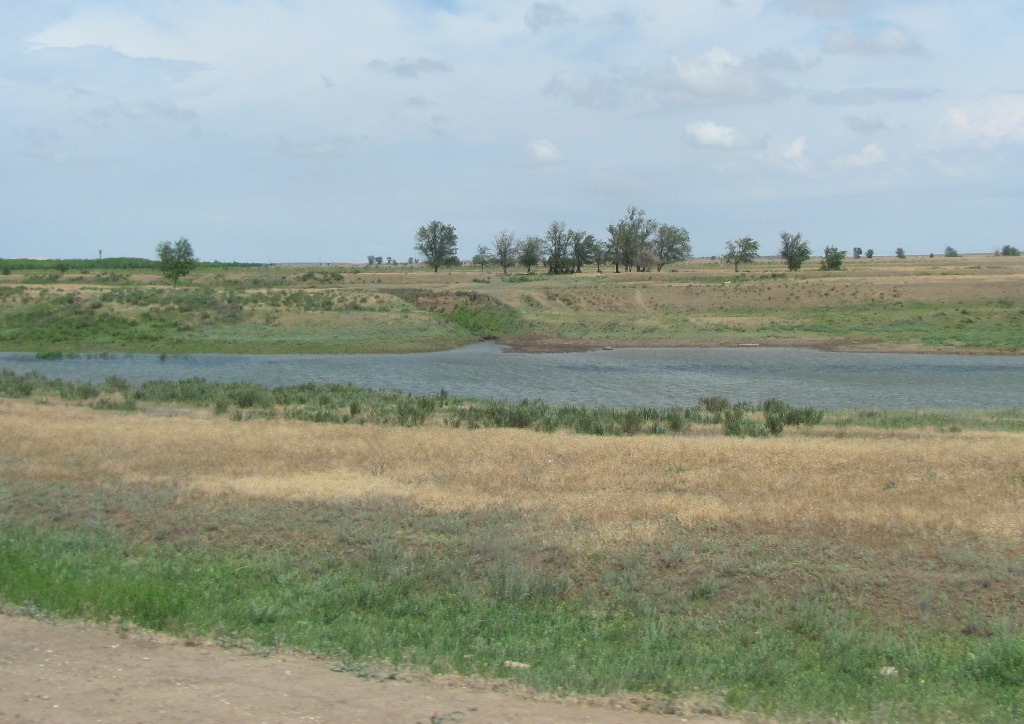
<point>349,403</point>
<point>225,308</point>
<point>205,319</point>
<point>373,581</point>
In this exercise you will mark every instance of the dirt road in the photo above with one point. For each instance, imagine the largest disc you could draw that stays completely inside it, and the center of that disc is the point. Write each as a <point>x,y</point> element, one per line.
<point>71,672</point>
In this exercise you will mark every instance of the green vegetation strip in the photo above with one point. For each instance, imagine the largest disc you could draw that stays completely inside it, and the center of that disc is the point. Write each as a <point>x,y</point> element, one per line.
<point>349,403</point>
<point>376,585</point>
<point>346,403</point>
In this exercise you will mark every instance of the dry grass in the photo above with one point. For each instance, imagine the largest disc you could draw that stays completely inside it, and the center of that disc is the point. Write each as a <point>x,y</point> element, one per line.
<point>895,485</point>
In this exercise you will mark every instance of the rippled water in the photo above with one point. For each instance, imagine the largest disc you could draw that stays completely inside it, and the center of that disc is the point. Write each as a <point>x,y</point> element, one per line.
<point>618,378</point>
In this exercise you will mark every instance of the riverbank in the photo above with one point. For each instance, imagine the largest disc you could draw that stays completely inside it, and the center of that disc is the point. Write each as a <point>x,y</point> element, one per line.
<point>970,304</point>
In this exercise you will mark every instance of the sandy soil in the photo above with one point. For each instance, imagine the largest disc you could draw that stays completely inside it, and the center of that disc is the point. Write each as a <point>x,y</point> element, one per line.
<point>72,672</point>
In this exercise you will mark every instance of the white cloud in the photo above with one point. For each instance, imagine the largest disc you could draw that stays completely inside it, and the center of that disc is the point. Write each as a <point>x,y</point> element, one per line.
<point>719,75</point>
<point>543,153</point>
<point>713,135</point>
<point>870,155</point>
<point>990,121</point>
<point>887,41</point>
<point>793,155</point>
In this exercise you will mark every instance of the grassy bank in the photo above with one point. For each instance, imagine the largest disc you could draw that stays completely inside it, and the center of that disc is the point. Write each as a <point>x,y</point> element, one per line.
<point>965,304</point>
<point>347,403</point>
<point>836,573</point>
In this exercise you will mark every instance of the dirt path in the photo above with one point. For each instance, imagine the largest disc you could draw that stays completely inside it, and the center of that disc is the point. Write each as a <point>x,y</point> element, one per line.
<point>68,672</point>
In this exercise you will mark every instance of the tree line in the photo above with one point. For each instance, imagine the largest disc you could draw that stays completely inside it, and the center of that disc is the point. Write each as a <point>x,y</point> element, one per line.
<point>635,242</point>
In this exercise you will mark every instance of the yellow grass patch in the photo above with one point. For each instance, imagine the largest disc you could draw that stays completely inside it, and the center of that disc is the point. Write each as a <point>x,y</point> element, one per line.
<point>893,483</point>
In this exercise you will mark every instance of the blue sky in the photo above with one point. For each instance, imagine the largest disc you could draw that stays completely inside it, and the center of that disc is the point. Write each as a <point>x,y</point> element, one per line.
<point>303,130</point>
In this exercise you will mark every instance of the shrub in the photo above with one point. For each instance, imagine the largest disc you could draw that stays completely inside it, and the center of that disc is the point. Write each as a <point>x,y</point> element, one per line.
<point>833,259</point>
<point>736,423</point>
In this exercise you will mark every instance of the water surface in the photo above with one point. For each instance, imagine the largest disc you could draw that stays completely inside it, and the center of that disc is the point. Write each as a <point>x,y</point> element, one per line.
<point>617,378</point>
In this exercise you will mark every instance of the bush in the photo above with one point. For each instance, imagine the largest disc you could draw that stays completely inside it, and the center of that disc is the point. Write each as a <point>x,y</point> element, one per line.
<point>833,259</point>
<point>789,415</point>
<point>736,423</point>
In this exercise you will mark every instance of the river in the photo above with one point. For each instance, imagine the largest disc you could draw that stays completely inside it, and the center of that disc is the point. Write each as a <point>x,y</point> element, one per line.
<point>616,378</point>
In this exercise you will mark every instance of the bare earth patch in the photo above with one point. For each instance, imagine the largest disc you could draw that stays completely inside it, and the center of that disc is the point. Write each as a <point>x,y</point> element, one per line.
<point>75,673</point>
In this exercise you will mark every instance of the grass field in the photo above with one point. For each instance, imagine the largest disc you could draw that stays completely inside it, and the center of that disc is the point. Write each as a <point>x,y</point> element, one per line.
<point>964,304</point>
<point>846,572</point>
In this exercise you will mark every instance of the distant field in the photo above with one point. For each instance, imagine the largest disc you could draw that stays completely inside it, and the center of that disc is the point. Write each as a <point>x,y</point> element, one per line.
<point>965,304</point>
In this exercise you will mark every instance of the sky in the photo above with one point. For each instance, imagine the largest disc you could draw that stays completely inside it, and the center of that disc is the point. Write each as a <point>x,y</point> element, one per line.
<point>322,131</point>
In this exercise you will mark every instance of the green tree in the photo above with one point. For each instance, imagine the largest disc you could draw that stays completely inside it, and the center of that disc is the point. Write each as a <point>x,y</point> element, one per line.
<point>176,259</point>
<point>530,252</point>
<point>794,250</point>
<point>437,244</point>
<point>671,243</point>
<point>583,248</point>
<point>900,254</point>
<point>600,253</point>
<point>741,251</point>
<point>857,252</point>
<point>870,253</point>
<point>483,256</point>
<point>833,259</point>
<point>628,236</point>
<point>1010,251</point>
<point>950,251</point>
<point>505,250</point>
<point>558,248</point>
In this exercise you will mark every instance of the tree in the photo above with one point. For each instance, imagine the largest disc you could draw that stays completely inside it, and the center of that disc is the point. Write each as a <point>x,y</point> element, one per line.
<point>833,259</point>
<point>628,236</point>
<point>741,251</point>
<point>583,248</point>
<point>437,244</point>
<point>870,253</point>
<point>900,254</point>
<point>857,252</point>
<point>950,251</point>
<point>671,243</point>
<point>557,249</point>
<point>483,256</point>
<point>530,252</point>
<point>505,250</point>
<point>176,259</point>
<point>794,250</point>
<point>1010,251</point>
<point>600,253</point>
<point>645,260</point>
